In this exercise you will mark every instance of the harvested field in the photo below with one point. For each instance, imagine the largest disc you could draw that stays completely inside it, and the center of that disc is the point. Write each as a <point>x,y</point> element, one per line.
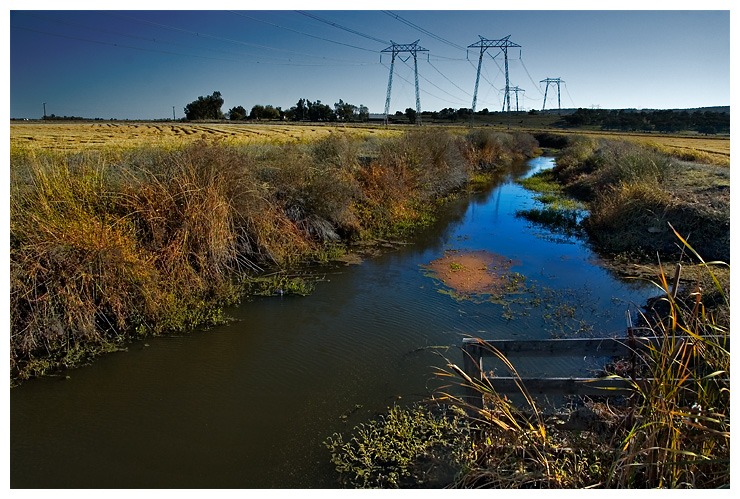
<point>715,150</point>
<point>78,136</point>
<point>70,136</point>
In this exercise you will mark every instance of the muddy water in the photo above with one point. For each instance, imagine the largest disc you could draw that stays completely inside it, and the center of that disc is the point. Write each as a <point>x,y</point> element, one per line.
<point>247,405</point>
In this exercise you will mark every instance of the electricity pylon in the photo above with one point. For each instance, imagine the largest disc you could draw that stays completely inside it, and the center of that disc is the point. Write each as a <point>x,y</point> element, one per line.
<point>548,81</point>
<point>394,49</point>
<point>484,44</point>
<point>516,91</point>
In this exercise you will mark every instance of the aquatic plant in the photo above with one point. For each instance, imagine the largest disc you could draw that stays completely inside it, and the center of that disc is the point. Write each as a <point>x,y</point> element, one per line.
<point>672,432</point>
<point>406,447</point>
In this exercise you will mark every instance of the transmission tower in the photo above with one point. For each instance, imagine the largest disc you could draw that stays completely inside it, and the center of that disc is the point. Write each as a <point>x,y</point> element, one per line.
<point>504,45</point>
<point>516,91</point>
<point>395,49</point>
<point>548,81</point>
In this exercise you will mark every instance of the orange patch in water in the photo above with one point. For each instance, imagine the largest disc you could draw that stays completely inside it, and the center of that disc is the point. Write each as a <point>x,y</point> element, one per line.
<point>473,272</point>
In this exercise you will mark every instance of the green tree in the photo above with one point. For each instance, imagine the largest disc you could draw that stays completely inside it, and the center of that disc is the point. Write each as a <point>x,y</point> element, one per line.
<point>205,108</point>
<point>344,110</point>
<point>411,115</point>
<point>363,113</point>
<point>237,113</point>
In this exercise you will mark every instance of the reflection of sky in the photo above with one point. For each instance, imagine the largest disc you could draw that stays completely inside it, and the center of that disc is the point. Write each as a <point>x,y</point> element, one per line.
<point>564,263</point>
<point>237,405</point>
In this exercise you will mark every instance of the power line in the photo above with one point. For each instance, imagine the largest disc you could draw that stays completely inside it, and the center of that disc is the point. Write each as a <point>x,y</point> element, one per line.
<point>530,77</point>
<point>419,28</point>
<point>433,84</point>
<point>445,77</point>
<point>566,91</point>
<point>336,25</point>
<point>422,90</point>
<point>213,37</point>
<point>180,54</point>
<point>165,42</point>
<point>301,32</point>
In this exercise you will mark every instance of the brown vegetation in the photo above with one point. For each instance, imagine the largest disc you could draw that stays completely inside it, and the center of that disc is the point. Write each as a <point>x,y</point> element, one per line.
<point>110,244</point>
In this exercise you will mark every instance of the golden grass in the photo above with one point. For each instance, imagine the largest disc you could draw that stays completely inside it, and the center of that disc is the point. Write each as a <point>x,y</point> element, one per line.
<point>95,135</point>
<point>713,150</point>
<point>99,135</point>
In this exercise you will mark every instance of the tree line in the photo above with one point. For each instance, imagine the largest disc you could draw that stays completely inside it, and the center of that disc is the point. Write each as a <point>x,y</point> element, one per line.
<point>665,121</point>
<point>209,108</point>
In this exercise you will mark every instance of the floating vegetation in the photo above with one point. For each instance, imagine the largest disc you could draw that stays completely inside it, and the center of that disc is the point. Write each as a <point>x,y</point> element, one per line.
<point>472,273</point>
<point>560,213</point>
<point>404,448</point>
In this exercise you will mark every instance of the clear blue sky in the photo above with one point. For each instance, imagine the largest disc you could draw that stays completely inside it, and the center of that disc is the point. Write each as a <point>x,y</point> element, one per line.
<point>138,64</point>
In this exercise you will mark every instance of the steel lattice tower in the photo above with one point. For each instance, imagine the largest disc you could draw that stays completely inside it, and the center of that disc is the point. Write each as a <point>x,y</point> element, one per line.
<point>548,81</point>
<point>394,49</point>
<point>484,44</point>
<point>516,91</point>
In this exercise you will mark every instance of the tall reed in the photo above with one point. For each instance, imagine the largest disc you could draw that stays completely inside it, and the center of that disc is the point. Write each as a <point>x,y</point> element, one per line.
<point>113,244</point>
<point>672,432</point>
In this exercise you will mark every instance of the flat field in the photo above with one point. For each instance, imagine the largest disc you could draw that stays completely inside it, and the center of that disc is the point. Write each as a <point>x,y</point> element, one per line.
<point>72,136</point>
<point>86,135</point>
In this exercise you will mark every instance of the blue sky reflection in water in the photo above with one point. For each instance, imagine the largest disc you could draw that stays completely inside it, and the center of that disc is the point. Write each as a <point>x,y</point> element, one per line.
<point>248,404</point>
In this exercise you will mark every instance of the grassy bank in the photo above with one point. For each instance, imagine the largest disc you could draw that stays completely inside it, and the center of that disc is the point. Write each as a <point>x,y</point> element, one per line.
<point>635,192</point>
<point>671,432</point>
<point>114,244</point>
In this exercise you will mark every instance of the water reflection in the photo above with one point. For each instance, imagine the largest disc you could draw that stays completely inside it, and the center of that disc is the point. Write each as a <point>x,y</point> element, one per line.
<point>247,405</point>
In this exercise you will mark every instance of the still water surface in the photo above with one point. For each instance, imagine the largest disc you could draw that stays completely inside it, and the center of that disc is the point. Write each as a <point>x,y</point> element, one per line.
<point>248,404</point>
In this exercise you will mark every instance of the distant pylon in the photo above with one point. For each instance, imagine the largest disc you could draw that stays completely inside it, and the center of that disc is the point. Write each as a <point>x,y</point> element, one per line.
<point>548,81</point>
<point>516,91</point>
<point>395,49</point>
<point>504,45</point>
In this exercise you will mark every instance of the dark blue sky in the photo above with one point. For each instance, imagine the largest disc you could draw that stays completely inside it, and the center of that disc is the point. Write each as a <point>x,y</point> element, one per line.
<point>139,64</point>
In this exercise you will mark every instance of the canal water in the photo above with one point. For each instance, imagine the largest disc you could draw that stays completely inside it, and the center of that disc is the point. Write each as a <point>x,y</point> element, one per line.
<point>248,404</point>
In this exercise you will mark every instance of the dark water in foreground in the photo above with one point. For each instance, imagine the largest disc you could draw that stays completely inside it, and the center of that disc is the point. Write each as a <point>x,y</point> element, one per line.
<point>248,404</point>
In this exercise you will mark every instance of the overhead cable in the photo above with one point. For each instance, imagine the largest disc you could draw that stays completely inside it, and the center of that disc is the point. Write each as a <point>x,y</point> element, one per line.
<point>445,77</point>
<point>213,37</point>
<point>337,25</point>
<point>530,77</point>
<point>301,32</point>
<point>185,55</point>
<point>431,83</point>
<point>421,89</point>
<point>165,42</point>
<point>419,28</point>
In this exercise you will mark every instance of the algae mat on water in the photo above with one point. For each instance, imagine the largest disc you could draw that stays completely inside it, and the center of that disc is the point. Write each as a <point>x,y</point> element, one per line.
<point>475,272</point>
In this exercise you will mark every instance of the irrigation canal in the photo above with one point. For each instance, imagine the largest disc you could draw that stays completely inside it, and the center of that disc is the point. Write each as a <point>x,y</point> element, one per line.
<point>248,404</point>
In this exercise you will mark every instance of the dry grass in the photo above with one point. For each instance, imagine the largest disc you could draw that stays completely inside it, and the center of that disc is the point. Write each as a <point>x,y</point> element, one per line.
<point>78,136</point>
<point>114,242</point>
<point>97,135</point>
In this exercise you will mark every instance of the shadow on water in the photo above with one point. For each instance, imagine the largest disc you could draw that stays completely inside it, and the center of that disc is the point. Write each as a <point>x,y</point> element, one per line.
<point>248,404</point>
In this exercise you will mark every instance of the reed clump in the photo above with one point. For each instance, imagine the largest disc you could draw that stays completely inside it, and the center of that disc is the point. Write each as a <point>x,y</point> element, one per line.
<point>113,244</point>
<point>673,431</point>
<point>634,192</point>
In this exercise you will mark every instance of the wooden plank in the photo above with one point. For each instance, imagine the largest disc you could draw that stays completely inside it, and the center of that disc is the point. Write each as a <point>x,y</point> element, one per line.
<point>563,386</point>
<point>574,386</point>
<point>573,347</point>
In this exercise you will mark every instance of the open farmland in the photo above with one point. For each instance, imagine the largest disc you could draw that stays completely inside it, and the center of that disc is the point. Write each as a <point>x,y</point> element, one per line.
<point>715,150</point>
<point>78,136</point>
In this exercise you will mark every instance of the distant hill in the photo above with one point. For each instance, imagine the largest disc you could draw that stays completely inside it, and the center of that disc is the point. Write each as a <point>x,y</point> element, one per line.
<point>713,109</point>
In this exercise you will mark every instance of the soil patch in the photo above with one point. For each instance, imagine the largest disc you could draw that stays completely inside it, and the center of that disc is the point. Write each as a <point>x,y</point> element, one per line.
<point>473,272</point>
